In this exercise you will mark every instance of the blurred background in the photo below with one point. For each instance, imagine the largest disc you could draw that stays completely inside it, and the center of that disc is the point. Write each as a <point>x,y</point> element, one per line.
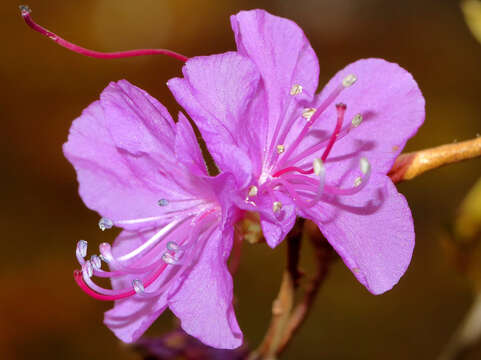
<point>43,315</point>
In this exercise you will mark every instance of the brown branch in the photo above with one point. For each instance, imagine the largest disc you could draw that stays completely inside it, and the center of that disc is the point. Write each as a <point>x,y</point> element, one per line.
<point>287,319</point>
<point>282,305</point>
<point>410,165</point>
<point>466,336</point>
<point>324,255</point>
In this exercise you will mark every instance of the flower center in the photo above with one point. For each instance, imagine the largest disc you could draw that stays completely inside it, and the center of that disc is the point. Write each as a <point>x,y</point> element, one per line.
<point>286,171</point>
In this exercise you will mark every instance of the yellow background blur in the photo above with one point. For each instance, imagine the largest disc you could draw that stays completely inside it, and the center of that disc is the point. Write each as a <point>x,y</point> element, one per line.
<point>43,315</point>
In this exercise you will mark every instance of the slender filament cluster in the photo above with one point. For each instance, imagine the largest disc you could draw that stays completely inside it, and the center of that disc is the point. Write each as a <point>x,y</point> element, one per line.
<point>302,174</point>
<point>158,259</point>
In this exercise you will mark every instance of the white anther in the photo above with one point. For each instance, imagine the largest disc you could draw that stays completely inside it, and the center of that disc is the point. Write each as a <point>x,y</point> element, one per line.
<point>96,262</point>
<point>82,248</point>
<point>349,80</point>
<point>357,181</point>
<point>253,190</point>
<point>307,113</point>
<point>365,166</point>
<point>318,166</point>
<point>163,202</point>
<point>276,206</point>
<point>357,120</point>
<point>105,253</point>
<point>250,202</point>
<point>88,269</point>
<point>280,148</point>
<point>172,246</point>
<point>105,224</point>
<point>296,90</point>
<point>138,286</point>
<point>169,258</point>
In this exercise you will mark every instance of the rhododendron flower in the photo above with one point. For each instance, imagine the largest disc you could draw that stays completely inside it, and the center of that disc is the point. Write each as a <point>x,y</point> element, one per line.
<point>323,157</point>
<point>145,174</point>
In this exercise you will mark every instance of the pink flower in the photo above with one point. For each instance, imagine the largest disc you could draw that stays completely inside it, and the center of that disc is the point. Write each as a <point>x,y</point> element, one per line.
<point>145,174</point>
<point>295,153</point>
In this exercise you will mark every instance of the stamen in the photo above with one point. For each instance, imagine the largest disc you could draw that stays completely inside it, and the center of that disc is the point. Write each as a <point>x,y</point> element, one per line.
<point>296,90</point>
<point>318,146</point>
<point>154,271</point>
<point>25,12</point>
<point>113,294</point>
<point>276,206</point>
<point>359,183</point>
<point>172,246</point>
<point>138,286</point>
<point>318,166</point>
<point>341,109</point>
<point>163,202</point>
<point>78,276</point>
<point>169,258</point>
<point>140,221</point>
<point>356,120</point>
<point>96,262</point>
<point>287,114</point>
<point>349,80</point>
<point>253,190</point>
<point>81,251</point>
<point>280,148</point>
<point>105,224</point>
<point>320,171</point>
<point>364,165</point>
<point>153,240</point>
<point>307,113</point>
<point>88,269</point>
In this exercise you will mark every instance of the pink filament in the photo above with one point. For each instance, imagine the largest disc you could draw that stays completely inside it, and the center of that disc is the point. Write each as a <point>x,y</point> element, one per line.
<point>96,54</point>
<point>78,276</point>
<point>341,110</point>
<point>291,169</point>
<point>328,101</point>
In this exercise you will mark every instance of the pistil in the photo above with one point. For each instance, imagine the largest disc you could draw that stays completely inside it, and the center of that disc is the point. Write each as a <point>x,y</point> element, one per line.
<point>26,11</point>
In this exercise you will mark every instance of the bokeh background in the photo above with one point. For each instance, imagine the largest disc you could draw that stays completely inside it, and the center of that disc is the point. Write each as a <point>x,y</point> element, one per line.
<point>43,315</point>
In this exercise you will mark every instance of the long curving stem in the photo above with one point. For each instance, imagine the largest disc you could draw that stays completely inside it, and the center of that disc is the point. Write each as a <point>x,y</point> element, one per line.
<point>25,12</point>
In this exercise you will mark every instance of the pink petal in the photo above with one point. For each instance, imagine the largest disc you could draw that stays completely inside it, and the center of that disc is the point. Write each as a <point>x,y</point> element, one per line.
<point>392,107</point>
<point>283,56</point>
<point>275,226</point>
<point>372,231</point>
<point>187,148</point>
<point>122,148</point>
<point>203,303</point>
<point>216,91</point>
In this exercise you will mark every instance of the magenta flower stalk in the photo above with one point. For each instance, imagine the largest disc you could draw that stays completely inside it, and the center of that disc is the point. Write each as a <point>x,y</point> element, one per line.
<point>321,156</point>
<point>145,174</point>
